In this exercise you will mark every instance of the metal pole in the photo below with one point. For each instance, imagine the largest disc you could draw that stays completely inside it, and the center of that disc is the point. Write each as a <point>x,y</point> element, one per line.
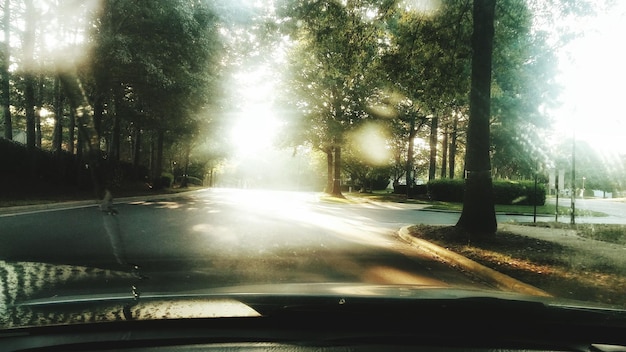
<point>556,212</point>
<point>535,201</point>
<point>573,215</point>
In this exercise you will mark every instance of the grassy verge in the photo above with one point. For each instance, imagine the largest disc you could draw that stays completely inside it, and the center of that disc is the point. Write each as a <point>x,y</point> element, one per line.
<point>549,266</point>
<point>547,209</point>
<point>611,233</point>
<point>385,196</point>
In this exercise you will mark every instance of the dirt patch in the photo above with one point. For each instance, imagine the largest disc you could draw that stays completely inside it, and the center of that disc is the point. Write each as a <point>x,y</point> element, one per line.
<point>543,264</point>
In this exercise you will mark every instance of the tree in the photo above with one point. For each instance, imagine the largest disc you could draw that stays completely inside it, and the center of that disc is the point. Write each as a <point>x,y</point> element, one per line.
<point>523,81</point>
<point>478,217</point>
<point>427,63</point>
<point>334,53</point>
<point>160,60</point>
<point>28,62</point>
<point>4,68</point>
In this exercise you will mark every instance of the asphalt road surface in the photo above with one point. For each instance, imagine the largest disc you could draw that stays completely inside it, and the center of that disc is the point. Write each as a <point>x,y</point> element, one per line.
<point>614,208</point>
<point>225,237</point>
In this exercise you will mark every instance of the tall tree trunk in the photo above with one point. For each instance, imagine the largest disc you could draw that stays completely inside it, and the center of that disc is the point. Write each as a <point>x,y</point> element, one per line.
<point>185,180</point>
<point>432,170</point>
<point>409,158</point>
<point>444,153</point>
<point>88,142</point>
<point>29,78</point>
<point>478,217</point>
<point>329,170</point>
<point>98,111</point>
<point>136,147</point>
<point>452,150</point>
<point>57,136</point>
<point>38,103</point>
<point>337,173</point>
<point>158,160</point>
<point>6,84</point>
<point>71,130</point>
<point>114,151</point>
<point>29,100</point>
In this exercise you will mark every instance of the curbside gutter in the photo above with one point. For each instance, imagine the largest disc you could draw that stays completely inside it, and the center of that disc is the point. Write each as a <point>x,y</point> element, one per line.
<point>492,277</point>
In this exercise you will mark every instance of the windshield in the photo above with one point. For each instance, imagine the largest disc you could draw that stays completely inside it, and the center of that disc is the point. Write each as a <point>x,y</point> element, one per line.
<point>157,149</point>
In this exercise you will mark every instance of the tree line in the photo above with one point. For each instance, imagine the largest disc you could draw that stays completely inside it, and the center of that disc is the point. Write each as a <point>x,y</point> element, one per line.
<point>408,71</point>
<point>110,82</point>
<point>143,83</point>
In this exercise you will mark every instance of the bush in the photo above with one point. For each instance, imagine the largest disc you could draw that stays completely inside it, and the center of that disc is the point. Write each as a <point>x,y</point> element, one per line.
<point>417,190</point>
<point>166,179</point>
<point>518,193</point>
<point>505,192</point>
<point>446,190</point>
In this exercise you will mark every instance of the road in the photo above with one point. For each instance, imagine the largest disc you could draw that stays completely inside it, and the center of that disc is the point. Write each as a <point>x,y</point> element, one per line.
<point>614,208</point>
<point>224,237</point>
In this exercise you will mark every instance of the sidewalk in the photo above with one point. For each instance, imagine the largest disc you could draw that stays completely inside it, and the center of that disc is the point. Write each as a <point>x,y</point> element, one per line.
<point>591,252</point>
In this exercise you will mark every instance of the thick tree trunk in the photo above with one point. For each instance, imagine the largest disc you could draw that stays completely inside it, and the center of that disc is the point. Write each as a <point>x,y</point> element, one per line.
<point>452,150</point>
<point>57,135</point>
<point>478,217</point>
<point>6,84</point>
<point>409,158</point>
<point>337,173</point>
<point>329,170</point>
<point>432,170</point>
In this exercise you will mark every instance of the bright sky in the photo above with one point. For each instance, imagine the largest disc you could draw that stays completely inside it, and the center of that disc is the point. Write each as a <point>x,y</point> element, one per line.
<point>255,127</point>
<point>593,74</point>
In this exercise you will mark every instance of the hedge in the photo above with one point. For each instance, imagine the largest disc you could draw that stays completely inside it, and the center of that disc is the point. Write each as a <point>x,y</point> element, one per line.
<point>416,190</point>
<point>23,170</point>
<point>505,192</point>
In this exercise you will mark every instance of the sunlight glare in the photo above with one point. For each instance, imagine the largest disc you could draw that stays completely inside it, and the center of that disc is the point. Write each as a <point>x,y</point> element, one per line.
<point>371,142</point>
<point>592,76</point>
<point>254,131</point>
<point>64,33</point>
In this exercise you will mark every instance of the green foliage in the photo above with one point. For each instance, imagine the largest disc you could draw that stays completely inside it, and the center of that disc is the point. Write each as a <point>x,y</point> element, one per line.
<point>505,192</point>
<point>167,179</point>
<point>519,193</point>
<point>601,171</point>
<point>446,190</point>
<point>523,79</point>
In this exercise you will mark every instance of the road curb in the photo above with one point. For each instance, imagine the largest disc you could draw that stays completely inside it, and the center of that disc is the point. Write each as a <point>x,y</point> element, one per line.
<point>493,277</point>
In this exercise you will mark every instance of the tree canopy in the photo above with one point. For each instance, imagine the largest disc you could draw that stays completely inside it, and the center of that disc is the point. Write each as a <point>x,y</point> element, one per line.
<point>146,83</point>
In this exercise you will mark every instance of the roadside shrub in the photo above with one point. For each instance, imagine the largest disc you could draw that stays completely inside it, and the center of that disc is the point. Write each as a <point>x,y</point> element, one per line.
<point>446,190</point>
<point>166,179</point>
<point>518,193</point>
<point>194,181</point>
<point>505,192</point>
<point>417,190</point>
